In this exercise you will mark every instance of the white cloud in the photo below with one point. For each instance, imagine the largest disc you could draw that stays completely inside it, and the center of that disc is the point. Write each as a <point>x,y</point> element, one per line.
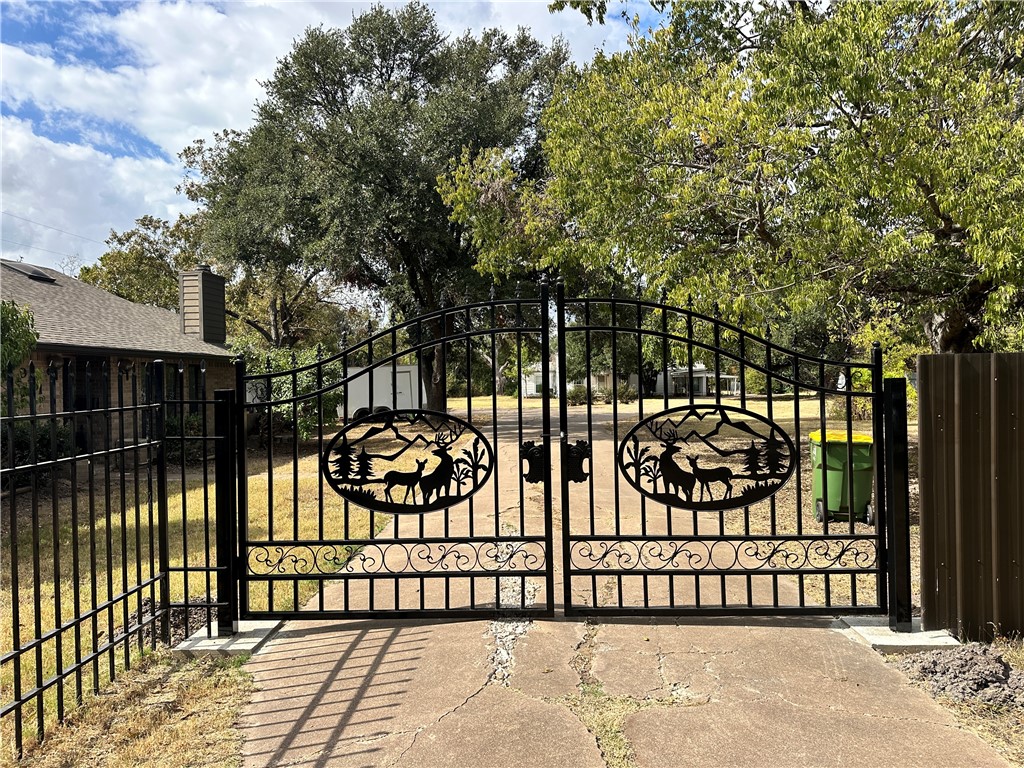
<point>76,189</point>
<point>188,69</point>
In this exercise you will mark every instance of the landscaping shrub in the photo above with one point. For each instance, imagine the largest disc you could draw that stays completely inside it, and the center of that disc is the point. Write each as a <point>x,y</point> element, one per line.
<point>578,396</point>
<point>627,394</point>
<point>194,449</point>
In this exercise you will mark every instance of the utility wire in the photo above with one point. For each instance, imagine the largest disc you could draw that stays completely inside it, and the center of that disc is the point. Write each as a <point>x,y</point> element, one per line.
<point>55,229</point>
<point>37,248</point>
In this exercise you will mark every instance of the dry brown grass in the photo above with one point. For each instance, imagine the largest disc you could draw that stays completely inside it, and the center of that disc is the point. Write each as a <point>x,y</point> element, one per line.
<point>188,526</point>
<point>167,712</point>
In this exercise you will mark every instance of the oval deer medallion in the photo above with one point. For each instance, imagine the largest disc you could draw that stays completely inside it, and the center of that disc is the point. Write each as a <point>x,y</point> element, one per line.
<point>707,457</point>
<point>407,461</point>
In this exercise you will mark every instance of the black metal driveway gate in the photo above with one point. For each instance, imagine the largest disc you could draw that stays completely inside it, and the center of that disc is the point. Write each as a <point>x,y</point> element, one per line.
<point>685,479</point>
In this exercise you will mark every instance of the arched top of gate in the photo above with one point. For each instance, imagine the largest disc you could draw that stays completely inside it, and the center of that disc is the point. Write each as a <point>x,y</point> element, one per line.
<point>422,333</point>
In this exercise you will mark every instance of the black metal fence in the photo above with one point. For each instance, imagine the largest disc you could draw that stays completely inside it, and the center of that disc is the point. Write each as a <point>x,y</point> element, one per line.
<point>106,533</point>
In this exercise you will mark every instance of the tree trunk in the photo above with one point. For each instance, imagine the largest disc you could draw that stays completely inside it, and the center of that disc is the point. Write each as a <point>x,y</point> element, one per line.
<point>434,371</point>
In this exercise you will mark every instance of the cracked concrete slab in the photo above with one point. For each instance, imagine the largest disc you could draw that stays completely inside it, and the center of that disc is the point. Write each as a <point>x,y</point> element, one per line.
<point>542,659</point>
<point>503,728</point>
<point>731,734</point>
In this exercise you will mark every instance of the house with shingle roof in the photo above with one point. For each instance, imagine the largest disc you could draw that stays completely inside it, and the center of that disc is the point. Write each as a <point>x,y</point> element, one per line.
<point>100,347</point>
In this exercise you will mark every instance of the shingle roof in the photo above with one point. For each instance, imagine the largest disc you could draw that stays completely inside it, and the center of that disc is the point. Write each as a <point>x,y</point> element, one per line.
<point>70,313</point>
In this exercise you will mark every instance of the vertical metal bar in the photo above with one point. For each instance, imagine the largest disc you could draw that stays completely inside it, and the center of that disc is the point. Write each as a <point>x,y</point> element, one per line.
<point>108,438</point>
<point>137,490</point>
<point>770,411</point>
<point>58,621</point>
<point>850,470</point>
<point>15,571</point>
<point>270,475</point>
<point>319,453</point>
<point>742,341</point>
<point>799,469</point>
<point>204,444</point>
<point>823,421</point>
<point>469,418</point>
<point>896,462</point>
<point>90,447</point>
<point>545,356</point>
<point>494,417</point>
<point>159,436</point>
<point>521,383</point>
<point>36,554</point>
<point>295,470</point>
<point>563,435</point>
<point>226,514</point>
<point>76,586</point>
<point>149,385</point>
<point>180,384</point>
<point>665,384</point>
<point>122,487</point>
<point>878,408</point>
<point>242,499</point>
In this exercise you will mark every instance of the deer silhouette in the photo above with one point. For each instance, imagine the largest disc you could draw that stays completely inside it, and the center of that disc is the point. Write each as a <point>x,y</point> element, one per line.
<point>711,475</point>
<point>407,479</point>
<point>439,479</point>
<point>673,475</point>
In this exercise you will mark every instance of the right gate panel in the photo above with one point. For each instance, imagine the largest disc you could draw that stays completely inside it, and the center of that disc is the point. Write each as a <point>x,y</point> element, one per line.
<point>706,470</point>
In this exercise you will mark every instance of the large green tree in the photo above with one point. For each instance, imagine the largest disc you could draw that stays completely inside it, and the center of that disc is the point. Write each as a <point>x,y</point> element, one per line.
<point>863,157</point>
<point>338,176</point>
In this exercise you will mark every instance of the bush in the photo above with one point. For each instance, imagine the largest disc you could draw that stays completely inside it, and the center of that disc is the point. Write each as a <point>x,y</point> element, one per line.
<point>20,440</point>
<point>578,396</point>
<point>195,449</point>
<point>627,394</point>
<point>603,396</point>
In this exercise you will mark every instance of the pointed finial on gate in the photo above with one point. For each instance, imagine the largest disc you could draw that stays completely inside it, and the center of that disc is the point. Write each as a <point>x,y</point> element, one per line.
<point>493,293</point>
<point>716,311</point>
<point>664,295</point>
<point>519,289</point>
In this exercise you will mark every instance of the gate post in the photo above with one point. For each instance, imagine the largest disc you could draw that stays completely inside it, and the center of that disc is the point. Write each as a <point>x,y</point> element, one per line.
<point>224,468</point>
<point>883,521</point>
<point>898,503</point>
<point>163,554</point>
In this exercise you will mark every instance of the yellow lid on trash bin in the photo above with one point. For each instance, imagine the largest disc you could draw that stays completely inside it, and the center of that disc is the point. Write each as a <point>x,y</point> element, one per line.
<point>839,436</point>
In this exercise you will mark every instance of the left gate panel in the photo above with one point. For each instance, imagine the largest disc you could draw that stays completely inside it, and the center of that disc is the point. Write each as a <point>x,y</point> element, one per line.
<point>387,479</point>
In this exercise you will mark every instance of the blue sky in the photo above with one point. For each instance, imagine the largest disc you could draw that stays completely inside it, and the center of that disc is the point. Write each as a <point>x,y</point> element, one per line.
<point>98,98</point>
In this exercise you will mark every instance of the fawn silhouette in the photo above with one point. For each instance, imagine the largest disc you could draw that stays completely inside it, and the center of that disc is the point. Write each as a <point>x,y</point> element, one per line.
<point>711,475</point>
<point>407,479</point>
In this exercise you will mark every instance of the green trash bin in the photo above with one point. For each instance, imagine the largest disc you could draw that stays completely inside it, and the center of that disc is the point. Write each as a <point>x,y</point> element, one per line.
<point>840,475</point>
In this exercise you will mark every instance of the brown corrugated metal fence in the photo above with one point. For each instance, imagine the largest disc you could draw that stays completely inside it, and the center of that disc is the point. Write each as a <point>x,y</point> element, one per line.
<point>971,454</point>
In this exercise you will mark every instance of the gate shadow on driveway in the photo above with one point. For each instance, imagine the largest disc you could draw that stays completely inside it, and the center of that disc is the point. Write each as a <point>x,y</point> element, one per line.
<point>343,692</point>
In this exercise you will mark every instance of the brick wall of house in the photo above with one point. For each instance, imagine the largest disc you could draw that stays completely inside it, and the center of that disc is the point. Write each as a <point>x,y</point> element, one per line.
<point>125,383</point>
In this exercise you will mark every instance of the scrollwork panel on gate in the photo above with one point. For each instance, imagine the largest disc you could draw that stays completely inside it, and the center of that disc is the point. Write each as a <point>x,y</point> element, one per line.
<point>494,556</point>
<point>724,554</point>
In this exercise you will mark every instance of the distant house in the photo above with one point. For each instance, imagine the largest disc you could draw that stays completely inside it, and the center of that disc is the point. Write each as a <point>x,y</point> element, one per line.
<point>82,328</point>
<point>700,380</point>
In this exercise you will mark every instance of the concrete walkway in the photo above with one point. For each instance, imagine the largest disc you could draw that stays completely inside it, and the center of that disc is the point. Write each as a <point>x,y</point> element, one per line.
<point>575,694</point>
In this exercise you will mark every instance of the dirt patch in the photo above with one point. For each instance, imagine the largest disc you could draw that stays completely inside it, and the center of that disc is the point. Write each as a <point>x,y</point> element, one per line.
<point>973,672</point>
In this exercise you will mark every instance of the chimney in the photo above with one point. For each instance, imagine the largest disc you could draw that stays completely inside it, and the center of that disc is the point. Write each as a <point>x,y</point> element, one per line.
<point>201,301</point>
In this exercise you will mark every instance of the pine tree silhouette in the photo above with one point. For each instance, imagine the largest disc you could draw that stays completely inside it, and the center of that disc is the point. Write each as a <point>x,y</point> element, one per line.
<point>752,460</point>
<point>344,463</point>
<point>364,464</point>
<point>776,460</point>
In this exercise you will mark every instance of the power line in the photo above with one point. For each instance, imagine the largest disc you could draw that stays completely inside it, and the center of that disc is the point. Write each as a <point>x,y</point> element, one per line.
<point>37,248</point>
<point>55,229</point>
